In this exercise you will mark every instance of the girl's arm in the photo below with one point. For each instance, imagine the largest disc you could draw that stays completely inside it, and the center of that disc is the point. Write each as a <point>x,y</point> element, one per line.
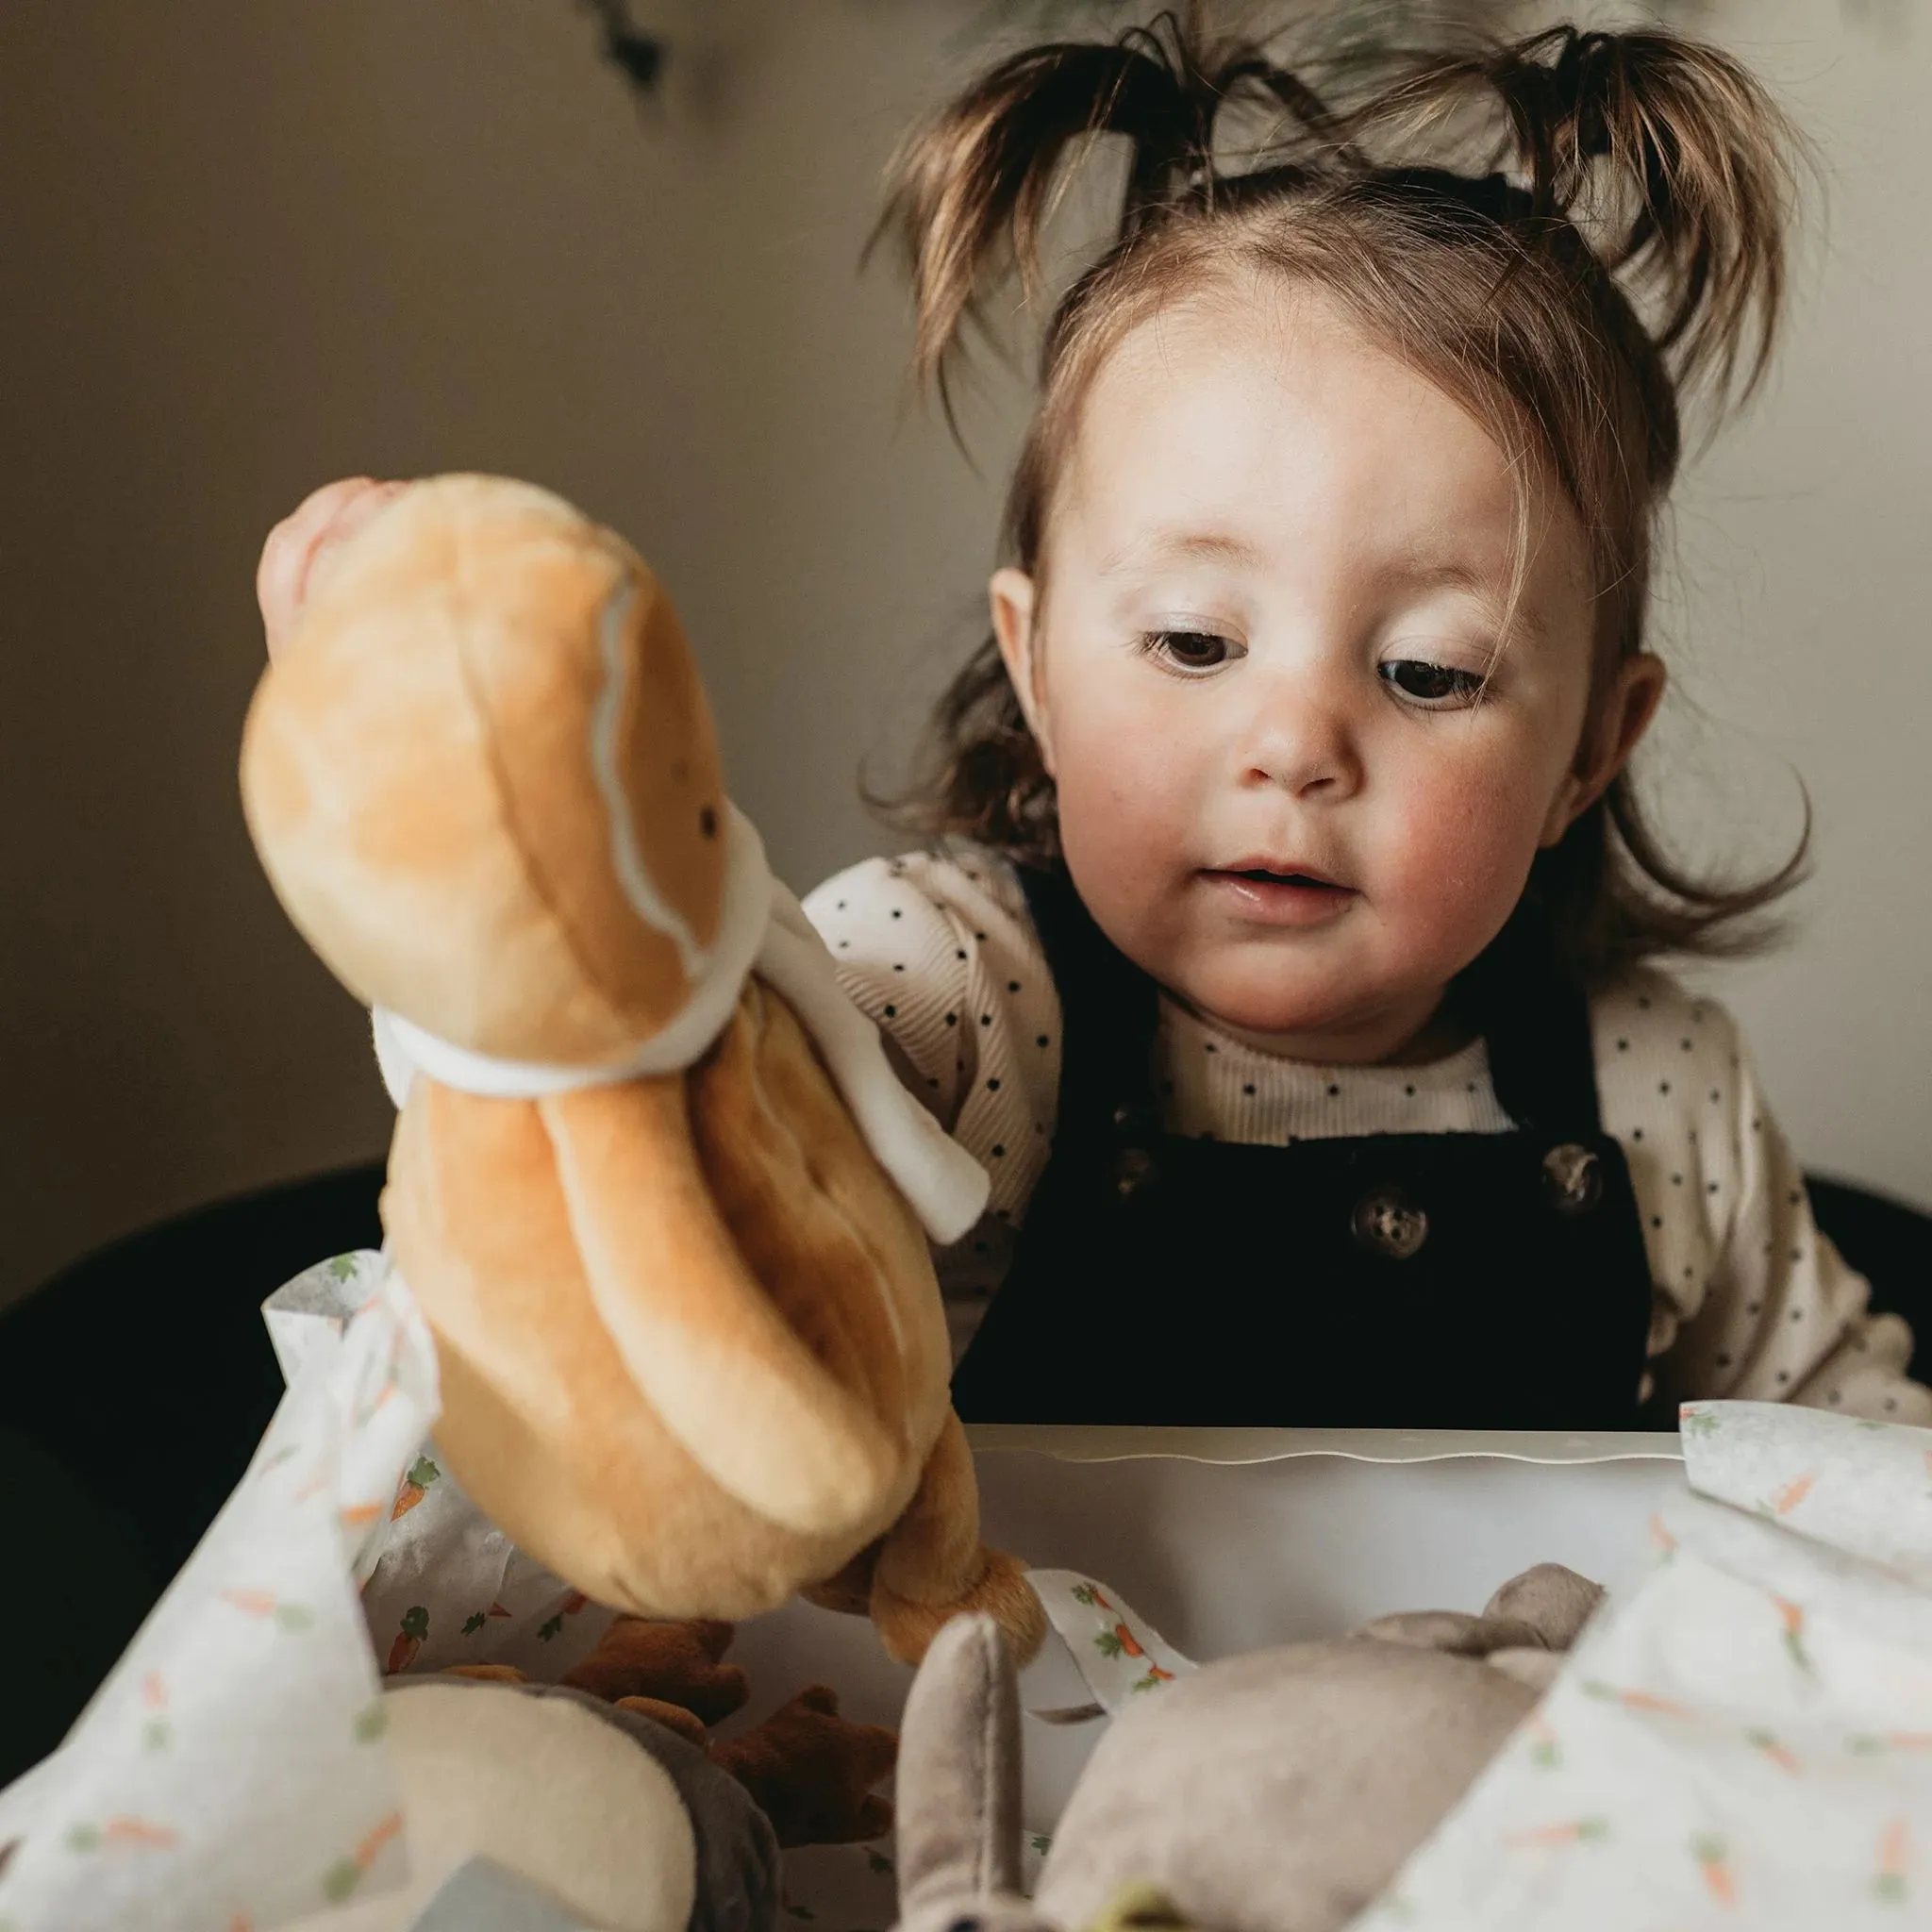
<point>938,949</point>
<point>1753,1302</point>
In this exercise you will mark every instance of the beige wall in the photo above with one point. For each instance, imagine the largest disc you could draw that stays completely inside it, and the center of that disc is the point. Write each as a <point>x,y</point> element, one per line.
<point>246,246</point>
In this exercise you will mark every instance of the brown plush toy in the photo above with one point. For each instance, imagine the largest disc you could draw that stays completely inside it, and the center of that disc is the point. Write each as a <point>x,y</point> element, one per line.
<point>809,1769</point>
<point>676,1666</point>
<point>653,1185</point>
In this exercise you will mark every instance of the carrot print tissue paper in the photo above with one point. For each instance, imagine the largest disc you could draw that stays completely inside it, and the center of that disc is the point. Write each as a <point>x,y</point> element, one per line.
<point>1744,1737</point>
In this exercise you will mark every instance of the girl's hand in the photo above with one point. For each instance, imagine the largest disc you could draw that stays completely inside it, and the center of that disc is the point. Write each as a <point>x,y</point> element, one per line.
<point>299,542</point>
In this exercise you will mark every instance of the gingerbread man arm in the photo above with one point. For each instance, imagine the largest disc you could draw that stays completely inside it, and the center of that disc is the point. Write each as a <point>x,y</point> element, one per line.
<point>699,1336</point>
<point>932,1566</point>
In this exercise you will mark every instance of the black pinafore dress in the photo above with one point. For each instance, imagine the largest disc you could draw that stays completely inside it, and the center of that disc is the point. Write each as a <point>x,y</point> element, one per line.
<point>1459,1281</point>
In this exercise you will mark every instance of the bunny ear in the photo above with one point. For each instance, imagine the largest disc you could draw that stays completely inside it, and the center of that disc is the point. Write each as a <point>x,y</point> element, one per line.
<point>958,1787</point>
<point>1555,1602</point>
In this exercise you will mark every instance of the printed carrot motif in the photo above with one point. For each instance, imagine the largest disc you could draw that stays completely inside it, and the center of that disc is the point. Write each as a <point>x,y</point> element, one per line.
<point>1634,1699</point>
<point>140,1832</point>
<point>1787,1499</point>
<point>1119,1641</point>
<point>474,1622</point>
<point>1695,1422</point>
<point>343,1876</point>
<point>409,1638</point>
<point>1714,1861</point>
<point>1792,1618</point>
<point>156,1734</point>
<point>1089,1593</point>
<point>390,1828</point>
<point>1890,1740</point>
<point>241,1922</point>
<point>360,1515</point>
<point>1156,1677</point>
<point>549,1628</point>
<point>1568,1831</point>
<point>1894,1863</point>
<point>1545,1753</point>
<point>136,1834</point>
<point>415,1486</point>
<point>1661,1536</point>
<point>574,1603</point>
<point>264,1602</point>
<point>498,1611</point>
<point>1779,1754</point>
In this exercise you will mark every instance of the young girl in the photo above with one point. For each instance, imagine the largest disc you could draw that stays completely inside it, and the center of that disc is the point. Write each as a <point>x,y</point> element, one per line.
<point>1287,966</point>
<point>1284,961</point>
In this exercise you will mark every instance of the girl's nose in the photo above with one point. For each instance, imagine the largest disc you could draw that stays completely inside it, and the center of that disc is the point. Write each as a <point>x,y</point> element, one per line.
<point>1300,738</point>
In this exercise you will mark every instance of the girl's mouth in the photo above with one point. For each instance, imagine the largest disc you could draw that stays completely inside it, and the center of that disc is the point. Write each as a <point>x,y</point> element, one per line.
<point>1281,898</point>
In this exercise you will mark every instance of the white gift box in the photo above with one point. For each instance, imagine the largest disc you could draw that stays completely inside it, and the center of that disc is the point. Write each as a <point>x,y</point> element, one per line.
<point>1223,1540</point>
<point>233,1772</point>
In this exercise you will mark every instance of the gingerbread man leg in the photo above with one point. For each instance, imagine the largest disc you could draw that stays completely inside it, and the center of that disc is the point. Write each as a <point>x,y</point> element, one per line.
<point>933,1567</point>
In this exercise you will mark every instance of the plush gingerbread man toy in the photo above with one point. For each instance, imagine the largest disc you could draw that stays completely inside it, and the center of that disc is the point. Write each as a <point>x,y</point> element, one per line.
<point>653,1184</point>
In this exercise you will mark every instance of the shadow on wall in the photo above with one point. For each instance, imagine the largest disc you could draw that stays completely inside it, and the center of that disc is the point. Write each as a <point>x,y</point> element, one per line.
<point>251,248</point>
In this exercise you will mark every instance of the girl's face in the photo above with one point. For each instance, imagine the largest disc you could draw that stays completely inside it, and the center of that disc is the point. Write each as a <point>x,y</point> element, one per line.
<point>1302,774</point>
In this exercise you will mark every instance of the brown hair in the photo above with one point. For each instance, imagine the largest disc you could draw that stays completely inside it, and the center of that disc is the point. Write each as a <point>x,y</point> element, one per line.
<point>1664,152</point>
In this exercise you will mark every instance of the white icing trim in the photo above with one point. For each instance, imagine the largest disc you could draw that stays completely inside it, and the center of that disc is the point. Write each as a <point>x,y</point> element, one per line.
<point>764,929</point>
<point>744,913</point>
<point>606,715</point>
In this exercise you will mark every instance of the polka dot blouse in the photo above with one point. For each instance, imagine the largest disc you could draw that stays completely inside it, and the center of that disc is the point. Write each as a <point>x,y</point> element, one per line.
<point>1749,1300</point>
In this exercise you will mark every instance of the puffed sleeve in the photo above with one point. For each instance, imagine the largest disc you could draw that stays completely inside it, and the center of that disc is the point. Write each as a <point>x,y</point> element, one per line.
<point>1782,1317</point>
<point>938,949</point>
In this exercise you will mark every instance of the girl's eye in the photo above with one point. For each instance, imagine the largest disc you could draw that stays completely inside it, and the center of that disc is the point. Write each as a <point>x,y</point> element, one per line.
<point>1432,684</point>
<point>1188,650</point>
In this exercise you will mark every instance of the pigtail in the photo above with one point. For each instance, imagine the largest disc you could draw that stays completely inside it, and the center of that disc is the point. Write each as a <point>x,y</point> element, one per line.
<point>1666,151</point>
<point>970,191</point>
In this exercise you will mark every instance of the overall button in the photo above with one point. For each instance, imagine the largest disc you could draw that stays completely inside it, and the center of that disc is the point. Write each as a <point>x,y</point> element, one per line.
<point>1574,1177</point>
<point>1133,1171</point>
<point>1387,1221</point>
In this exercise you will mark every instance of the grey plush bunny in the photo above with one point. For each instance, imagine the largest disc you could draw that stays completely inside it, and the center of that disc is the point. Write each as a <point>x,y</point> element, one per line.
<point>1279,1792</point>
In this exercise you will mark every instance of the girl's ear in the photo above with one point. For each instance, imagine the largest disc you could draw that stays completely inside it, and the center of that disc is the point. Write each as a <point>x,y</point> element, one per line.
<point>1015,605</point>
<point>1621,719</point>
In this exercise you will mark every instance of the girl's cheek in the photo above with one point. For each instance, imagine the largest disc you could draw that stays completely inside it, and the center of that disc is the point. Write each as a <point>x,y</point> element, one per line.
<point>1461,853</point>
<point>1126,793</point>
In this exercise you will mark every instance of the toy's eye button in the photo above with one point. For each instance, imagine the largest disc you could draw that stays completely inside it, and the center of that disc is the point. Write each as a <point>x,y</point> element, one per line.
<point>707,823</point>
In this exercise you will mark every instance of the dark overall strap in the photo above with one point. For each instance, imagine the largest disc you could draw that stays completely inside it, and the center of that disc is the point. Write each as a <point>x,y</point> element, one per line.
<point>1109,1011</point>
<point>1533,1014</point>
